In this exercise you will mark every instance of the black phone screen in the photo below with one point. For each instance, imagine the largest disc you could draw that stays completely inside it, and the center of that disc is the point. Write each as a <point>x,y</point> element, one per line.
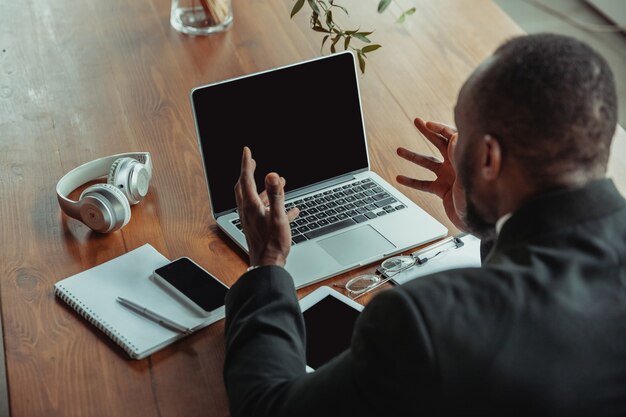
<point>329,324</point>
<point>197,284</point>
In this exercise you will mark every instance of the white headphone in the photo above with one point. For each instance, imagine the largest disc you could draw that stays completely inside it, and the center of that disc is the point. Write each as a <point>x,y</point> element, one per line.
<point>106,207</point>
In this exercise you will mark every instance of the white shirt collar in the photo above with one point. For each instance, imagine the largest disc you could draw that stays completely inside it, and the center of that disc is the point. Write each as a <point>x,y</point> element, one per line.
<point>501,222</point>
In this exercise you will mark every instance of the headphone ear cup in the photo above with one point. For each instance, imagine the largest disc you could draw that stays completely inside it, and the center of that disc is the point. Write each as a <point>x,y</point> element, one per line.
<point>104,208</point>
<point>130,177</point>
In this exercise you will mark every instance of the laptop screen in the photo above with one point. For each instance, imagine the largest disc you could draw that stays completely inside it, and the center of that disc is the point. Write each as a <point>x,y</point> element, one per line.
<point>303,122</point>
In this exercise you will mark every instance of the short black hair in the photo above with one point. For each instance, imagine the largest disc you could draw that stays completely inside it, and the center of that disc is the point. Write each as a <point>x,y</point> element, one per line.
<point>552,103</point>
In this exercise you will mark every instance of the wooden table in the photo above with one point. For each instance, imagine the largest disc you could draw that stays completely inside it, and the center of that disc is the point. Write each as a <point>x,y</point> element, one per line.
<point>81,80</point>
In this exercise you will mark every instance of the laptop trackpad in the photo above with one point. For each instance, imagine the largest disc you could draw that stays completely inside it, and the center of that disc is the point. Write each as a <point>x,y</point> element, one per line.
<point>355,245</point>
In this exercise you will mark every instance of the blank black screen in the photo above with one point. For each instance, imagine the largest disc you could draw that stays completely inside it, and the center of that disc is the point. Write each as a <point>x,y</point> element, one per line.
<point>204,289</point>
<point>329,324</point>
<point>302,121</point>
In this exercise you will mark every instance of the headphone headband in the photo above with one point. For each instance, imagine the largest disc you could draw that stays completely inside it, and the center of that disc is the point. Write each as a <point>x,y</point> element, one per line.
<point>90,171</point>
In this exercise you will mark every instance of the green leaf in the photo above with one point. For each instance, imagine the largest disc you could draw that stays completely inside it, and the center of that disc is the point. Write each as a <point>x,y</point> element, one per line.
<point>313,5</point>
<point>370,48</point>
<point>332,45</point>
<point>329,19</point>
<point>406,13</point>
<point>342,8</point>
<point>383,5</point>
<point>346,43</point>
<point>320,29</point>
<point>315,20</point>
<point>361,62</point>
<point>361,37</point>
<point>297,7</point>
<point>323,42</point>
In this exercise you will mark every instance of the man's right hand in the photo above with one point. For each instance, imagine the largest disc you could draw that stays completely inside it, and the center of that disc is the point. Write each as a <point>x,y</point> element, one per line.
<point>263,217</point>
<point>446,185</point>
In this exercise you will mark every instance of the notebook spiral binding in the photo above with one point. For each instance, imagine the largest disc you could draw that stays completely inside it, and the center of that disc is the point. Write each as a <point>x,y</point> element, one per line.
<point>84,311</point>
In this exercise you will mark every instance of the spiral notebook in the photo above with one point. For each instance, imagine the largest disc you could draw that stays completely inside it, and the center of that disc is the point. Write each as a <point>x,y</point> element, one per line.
<point>93,294</point>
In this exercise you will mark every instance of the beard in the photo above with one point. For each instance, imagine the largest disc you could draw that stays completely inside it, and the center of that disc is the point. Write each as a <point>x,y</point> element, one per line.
<point>476,224</point>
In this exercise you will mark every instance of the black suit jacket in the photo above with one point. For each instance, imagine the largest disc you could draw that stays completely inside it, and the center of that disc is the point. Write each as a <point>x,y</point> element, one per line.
<point>540,329</point>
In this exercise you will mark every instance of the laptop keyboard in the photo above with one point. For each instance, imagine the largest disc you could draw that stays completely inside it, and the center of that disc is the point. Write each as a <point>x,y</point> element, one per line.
<point>338,208</point>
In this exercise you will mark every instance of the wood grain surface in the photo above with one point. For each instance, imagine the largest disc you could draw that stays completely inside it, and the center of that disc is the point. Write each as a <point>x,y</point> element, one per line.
<point>81,80</point>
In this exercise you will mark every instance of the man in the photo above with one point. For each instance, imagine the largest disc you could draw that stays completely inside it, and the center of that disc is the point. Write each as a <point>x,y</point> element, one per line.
<point>540,329</point>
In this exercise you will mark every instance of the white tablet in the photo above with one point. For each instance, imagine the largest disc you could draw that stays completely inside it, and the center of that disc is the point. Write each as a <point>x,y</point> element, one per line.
<point>329,317</point>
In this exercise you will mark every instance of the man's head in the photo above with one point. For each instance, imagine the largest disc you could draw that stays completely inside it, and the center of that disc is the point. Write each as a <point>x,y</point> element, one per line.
<point>539,114</point>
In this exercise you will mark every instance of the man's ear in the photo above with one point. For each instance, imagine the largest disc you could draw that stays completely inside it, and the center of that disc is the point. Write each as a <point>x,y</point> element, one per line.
<point>492,158</point>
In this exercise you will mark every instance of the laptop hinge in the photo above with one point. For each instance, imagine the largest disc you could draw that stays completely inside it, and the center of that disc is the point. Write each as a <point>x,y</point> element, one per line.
<point>324,184</point>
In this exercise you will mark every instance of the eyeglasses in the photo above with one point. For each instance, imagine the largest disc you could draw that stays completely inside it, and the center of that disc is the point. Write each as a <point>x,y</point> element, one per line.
<point>390,267</point>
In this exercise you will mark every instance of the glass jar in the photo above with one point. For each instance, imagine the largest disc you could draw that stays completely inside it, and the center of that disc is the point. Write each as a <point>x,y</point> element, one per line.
<point>201,17</point>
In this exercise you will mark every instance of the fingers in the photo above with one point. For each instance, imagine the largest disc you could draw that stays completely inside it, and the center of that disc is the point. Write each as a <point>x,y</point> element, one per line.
<point>246,185</point>
<point>420,185</point>
<point>263,195</point>
<point>436,133</point>
<point>293,213</point>
<point>276,195</point>
<point>452,146</point>
<point>439,128</point>
<point>429,162</point>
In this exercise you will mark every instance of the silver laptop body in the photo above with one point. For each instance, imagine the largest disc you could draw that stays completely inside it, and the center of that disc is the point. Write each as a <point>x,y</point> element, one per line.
<point>304,121</point>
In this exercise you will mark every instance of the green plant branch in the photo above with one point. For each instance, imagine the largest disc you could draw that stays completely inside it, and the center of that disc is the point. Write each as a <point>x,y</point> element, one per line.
<point>322,21</point>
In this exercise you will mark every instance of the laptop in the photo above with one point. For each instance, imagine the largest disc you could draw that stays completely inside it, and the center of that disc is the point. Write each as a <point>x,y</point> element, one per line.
<point>304,121</point>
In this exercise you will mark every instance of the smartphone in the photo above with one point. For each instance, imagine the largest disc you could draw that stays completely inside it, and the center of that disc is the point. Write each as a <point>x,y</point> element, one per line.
<point>193,285</point>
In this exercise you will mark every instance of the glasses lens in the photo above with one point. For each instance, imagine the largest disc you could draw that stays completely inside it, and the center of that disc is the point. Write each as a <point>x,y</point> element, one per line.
<point>362,283</point>
<point>398,263</point>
